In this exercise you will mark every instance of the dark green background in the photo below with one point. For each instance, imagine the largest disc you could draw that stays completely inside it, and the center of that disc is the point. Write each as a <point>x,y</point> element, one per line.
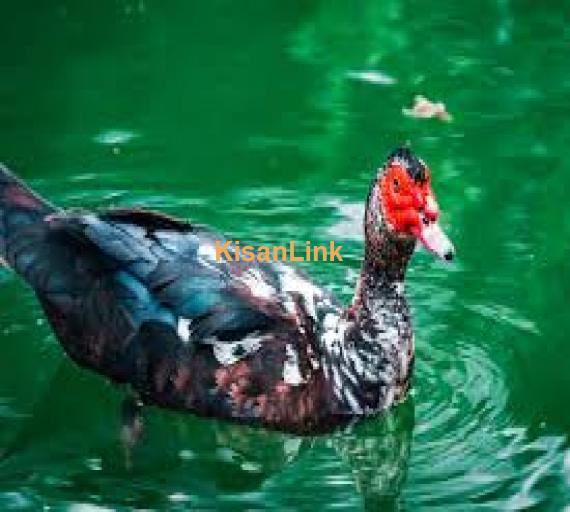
<point>243,115</point>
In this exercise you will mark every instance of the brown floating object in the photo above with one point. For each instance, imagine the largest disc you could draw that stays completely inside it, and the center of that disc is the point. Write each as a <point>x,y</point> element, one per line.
<point>426,109</point>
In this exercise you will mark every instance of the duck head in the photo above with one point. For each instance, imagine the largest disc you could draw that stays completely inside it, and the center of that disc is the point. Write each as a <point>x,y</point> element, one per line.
<point>405,205</point>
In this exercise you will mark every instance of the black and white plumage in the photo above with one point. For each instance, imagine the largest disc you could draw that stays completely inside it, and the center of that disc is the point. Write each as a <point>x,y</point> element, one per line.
<point>140,298</point>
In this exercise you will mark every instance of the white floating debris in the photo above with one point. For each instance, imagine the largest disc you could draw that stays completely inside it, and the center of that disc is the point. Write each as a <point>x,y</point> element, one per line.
<point>372,77</point>
<point>426,109</point>
<point>115,137</point>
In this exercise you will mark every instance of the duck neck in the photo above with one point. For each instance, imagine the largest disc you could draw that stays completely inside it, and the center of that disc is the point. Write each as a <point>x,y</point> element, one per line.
<point>386,256</point>
<point>373,362</point>
<point>384,268</point>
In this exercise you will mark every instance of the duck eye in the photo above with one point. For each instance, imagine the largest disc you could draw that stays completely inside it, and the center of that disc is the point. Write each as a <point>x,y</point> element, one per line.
<point>425,220</point>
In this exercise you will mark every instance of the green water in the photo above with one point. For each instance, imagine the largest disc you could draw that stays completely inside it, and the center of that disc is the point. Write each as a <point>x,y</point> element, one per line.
<point>244,116</point>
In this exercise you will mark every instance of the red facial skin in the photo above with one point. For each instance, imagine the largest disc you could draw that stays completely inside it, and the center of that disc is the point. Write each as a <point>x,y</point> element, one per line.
<point>407,204</point>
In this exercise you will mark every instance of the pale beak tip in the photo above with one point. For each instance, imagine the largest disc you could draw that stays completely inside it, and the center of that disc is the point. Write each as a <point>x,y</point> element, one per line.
<point>435,240</point>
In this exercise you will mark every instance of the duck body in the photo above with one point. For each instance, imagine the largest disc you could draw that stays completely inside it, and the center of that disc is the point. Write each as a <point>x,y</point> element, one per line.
<point>141,298</point>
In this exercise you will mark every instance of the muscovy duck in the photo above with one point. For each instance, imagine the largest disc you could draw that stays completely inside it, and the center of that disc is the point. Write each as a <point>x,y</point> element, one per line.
<point>140,298</point>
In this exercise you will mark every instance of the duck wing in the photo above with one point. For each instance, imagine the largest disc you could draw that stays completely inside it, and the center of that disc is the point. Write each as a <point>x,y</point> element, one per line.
<point>166,270</point>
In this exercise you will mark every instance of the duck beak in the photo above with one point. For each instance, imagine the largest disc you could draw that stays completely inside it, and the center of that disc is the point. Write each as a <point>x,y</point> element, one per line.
<point>435,240</point>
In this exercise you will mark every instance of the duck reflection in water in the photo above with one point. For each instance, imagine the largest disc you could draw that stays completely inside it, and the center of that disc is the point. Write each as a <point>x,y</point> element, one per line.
<point>378,452</point>
<point>240,459</point>
<point>194,459</point>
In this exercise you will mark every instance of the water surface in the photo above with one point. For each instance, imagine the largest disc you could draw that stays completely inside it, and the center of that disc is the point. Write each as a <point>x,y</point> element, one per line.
<point>267,120</point>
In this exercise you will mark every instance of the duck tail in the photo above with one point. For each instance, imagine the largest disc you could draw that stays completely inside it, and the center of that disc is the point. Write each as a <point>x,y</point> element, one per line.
<point>20,208</point>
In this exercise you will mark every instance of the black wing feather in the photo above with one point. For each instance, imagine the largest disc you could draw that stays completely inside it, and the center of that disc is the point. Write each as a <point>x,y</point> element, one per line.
<point>159,270</point>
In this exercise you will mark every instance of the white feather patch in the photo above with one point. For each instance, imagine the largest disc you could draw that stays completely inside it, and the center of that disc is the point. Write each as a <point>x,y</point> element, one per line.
<point>227,352</point>
<point>255,282</point>
<point>183,329</point>
<point>207,251</point>
<point>291,372</point>
<point>291,282</point>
